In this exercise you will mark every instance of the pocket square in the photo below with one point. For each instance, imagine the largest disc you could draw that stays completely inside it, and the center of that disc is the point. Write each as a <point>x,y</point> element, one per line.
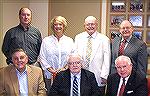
<point>130,92</point>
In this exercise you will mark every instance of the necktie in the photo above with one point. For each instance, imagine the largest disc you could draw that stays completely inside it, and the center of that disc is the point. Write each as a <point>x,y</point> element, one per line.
<point>122,88</point>
<point>121,48</point>
<point>88,52</point>
<point>75,87</point>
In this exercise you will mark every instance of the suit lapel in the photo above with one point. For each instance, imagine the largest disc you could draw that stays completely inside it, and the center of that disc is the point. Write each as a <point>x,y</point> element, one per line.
<point>116,84</point>
<point>29,78</point>
<point>130,45</point>
<point>14,79</point>
<point>83,83</point>
<point>115,45</point>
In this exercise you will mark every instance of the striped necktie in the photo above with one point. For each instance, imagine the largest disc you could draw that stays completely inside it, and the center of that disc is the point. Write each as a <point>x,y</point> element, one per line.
<point>121,47</point>
<point>88,52</point>
<point>75,87</point>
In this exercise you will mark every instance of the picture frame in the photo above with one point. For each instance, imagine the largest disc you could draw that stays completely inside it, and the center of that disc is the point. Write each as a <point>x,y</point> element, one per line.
<point>138,34</point>
<point>114,33</point>
<point>148,21</point>
<point>118,6</point>
<point>115,20</point>
<point>148,37</point>
<point>136,20</point>
<point>136,6</point>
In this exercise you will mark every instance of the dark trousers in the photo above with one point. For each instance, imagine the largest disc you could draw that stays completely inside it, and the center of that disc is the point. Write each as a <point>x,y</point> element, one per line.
<point>102,90</point>
<point>47,85</point>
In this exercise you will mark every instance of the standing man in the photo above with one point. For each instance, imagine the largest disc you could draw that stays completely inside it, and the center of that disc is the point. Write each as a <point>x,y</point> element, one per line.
<point>23,36</point>
<point>74,81</point>
<point>127,81</point>
<point>21,79</point>
<point>134,48</point>
<point>94,47</point>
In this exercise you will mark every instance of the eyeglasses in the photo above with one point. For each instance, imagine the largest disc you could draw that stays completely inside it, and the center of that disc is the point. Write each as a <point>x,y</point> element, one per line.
<point>72,63</point>
<point>127,28</point>
<point>121,67</point>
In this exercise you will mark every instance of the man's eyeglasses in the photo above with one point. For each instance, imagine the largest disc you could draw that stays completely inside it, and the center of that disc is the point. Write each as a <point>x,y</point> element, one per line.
<point>72,63</point>
<point>127,28</point>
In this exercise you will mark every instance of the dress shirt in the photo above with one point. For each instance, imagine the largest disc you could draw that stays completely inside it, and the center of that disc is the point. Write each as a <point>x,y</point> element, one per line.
<point>78,80</point>
<point>29,40</point>
<point>23,82</point>
<point>127,41</point>
<point>120,83</point>
<point>53,53</point>
<point>100,55</point>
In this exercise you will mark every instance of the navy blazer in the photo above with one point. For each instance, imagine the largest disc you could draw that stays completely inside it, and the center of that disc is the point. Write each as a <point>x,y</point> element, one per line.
<point>62,84</point>
<point>136,50</point>
<point>135,86</point>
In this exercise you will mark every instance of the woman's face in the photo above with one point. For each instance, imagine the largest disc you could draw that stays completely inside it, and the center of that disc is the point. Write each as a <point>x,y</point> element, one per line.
<point>58,27</point>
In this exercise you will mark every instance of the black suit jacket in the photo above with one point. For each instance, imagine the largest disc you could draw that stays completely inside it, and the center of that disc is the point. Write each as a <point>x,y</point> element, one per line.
<point>62,84</point>
<point>136,85</point>
<point>136,50</point>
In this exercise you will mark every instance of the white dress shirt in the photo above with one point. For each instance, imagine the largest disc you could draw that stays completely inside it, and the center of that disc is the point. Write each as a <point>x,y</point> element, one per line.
<point>100,56</point>
<point>53,53</point>
<point>23,82</point>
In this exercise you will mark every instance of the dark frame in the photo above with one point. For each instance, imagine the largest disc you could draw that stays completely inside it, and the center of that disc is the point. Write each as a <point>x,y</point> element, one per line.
<point>118,6</point>
<point>148,37</point>
<point>136,6</point>
<point>115,20</point>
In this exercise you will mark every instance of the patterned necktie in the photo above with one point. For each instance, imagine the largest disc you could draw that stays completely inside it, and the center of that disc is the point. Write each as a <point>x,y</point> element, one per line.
<point>75,87</point>
<point>122,46</point>
<point>122,88</point>
<point>88,52</point>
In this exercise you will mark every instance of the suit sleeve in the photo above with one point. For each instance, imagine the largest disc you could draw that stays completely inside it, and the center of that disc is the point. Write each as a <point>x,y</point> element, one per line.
<point>142,59</point>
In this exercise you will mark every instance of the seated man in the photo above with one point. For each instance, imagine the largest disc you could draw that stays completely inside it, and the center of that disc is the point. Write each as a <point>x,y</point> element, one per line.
<point>126,82</point>
<point>20,79</point>
<point>74,81</point>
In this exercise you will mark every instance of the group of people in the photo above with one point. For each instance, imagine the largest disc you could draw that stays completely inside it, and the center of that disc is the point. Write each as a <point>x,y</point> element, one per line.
<point>80,67</point>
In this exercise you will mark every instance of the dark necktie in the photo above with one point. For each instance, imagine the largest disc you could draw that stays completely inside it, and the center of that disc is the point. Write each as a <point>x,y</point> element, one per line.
<point>121,91</point>
<point>121,47</point>
<point>75,87</point>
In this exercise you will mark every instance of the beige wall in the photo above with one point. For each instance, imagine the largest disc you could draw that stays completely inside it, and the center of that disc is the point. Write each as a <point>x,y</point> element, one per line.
<point>9,17</point>
<point>75,11</point>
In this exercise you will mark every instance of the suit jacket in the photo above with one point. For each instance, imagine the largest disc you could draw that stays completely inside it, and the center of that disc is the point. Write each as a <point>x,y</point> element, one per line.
<point>100,57</point>
<point>62,84</point>
<point>135,86</point>
<point>136,50</point>
<point>9,84</point>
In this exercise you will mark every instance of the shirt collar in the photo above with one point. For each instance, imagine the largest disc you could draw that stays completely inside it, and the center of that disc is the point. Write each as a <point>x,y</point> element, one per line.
<point>127,40</point>
<point>93,35</point>
<point>24,72</point>
<point>77,75</point>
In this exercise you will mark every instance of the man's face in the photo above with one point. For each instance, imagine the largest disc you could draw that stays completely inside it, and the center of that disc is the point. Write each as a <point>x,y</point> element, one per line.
<point>25,17</point>
<point>90,26</point>
<point>126,29</point>
<point>19,59</point>
<point>74,64</point>
<point>123,68</point>
<point>58,27</point>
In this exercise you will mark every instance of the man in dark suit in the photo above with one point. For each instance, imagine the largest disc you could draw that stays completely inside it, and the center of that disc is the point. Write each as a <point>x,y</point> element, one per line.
<point>63,84</point>
<point>127,81</point>
<point>134,48</point>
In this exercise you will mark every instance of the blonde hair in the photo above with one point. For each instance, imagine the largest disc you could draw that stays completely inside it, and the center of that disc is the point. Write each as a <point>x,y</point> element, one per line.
<point>60,19</point>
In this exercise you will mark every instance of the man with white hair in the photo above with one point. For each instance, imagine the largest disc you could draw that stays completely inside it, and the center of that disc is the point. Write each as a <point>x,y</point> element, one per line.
<point>127,81</point>
<point>94,47</point>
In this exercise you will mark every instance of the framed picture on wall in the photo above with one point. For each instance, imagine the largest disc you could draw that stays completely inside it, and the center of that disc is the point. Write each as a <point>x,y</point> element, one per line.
<point>115,20</point>
<point>114,33</point>
<point>118,6</point>
<point>138,34</point>
<point>148,37</point>
<point>136,20</point>
<point>136,6</point>
<point>148,20</point>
